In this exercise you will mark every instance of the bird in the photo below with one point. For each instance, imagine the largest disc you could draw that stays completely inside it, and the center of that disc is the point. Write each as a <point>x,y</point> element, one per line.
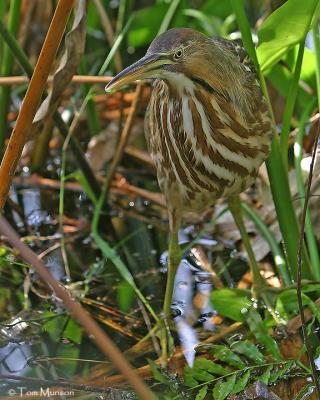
<point>207,126</point>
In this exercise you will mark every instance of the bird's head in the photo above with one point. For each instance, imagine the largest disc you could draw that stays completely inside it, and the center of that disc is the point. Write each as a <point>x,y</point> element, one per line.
<point>177,51</point>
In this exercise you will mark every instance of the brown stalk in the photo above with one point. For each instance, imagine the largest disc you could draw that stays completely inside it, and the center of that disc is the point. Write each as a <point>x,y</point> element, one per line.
<point>78,312</point>
<point>33,96</point>
<point>20,80</point>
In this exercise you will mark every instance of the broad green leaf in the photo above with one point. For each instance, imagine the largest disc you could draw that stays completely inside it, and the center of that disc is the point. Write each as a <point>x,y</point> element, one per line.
<point>226,355</point>
<point>281,75</point>
<point>202,393</point>
<point>231,302</point>
<point>280,371</point>
<point>188,378</point>
<point>284,28</point>
<point>224,388</point>
<point>262,335</point>
<point>264,378</point>
<point>249,350</point>
<point>241,383</point>
<point>201,375</point>
<point>210,366</point>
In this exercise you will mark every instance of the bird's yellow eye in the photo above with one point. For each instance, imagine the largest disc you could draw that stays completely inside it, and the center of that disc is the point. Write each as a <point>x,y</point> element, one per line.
<point>178,54</point>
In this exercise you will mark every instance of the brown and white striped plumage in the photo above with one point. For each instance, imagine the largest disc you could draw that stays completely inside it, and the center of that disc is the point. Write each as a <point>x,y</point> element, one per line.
<point>207,124</point>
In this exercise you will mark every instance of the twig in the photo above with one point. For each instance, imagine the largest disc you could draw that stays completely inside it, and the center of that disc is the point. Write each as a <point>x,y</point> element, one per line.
<point>20,80</point>
<point>299,271</point>
<point>77,311</point>
<point>119,187</point>
<point>33,96</point>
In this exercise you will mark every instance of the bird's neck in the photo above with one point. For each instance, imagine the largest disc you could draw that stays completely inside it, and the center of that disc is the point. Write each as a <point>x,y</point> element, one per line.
<point>179,83</point>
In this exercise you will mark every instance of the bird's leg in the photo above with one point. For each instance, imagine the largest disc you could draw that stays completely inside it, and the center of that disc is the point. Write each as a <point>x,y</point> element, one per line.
<point>174,258</point>
<point>258,281</point>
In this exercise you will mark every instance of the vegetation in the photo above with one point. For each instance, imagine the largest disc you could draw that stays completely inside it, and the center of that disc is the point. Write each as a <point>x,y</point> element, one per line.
<point>84,197</point>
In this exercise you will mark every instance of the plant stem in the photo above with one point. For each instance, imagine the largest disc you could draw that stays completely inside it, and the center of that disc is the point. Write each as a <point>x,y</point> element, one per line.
<point>258,282</point>
<point>279,259</point>
<point>6,68</point>
<point>288,111</point>
<point>310,236</point>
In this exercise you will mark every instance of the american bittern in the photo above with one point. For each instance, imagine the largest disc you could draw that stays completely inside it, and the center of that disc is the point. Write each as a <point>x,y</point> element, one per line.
<point>207,127</point>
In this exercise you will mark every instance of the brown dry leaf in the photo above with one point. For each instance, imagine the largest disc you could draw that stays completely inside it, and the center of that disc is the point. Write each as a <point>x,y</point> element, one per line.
<point>102,147</point>
<point>74,48</point>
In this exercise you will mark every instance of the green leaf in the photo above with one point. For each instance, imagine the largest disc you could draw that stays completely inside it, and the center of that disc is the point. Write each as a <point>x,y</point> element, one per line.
<point>248,349</point>
<point>281,76</point>
<point>280,371</point>
<point>73,331</point>
<point>262,335</point>
<point>158,376</point>
<point>78,175</point>
<point>125,294</point>
<point>55,326</point>
<point>287,304</point>
<point>210,366</point>
<point>188,378</point>
<point>311,287</point>
<point>202,393</point>
<point>284,28</point>
<point>223,389</point>
<point>241,383</point>
<point>264,378</point>
<point>226,355</point>
<point>201,375</point>
<point>231,302</point>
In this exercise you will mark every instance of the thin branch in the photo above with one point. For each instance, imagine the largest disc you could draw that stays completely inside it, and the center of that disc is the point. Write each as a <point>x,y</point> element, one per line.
<point>20,80</point>
<point>299,271</point>
<point>77,311</point>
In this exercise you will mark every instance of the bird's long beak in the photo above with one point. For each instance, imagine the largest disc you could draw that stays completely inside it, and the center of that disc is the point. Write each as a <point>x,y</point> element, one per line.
<point>146,67</point>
